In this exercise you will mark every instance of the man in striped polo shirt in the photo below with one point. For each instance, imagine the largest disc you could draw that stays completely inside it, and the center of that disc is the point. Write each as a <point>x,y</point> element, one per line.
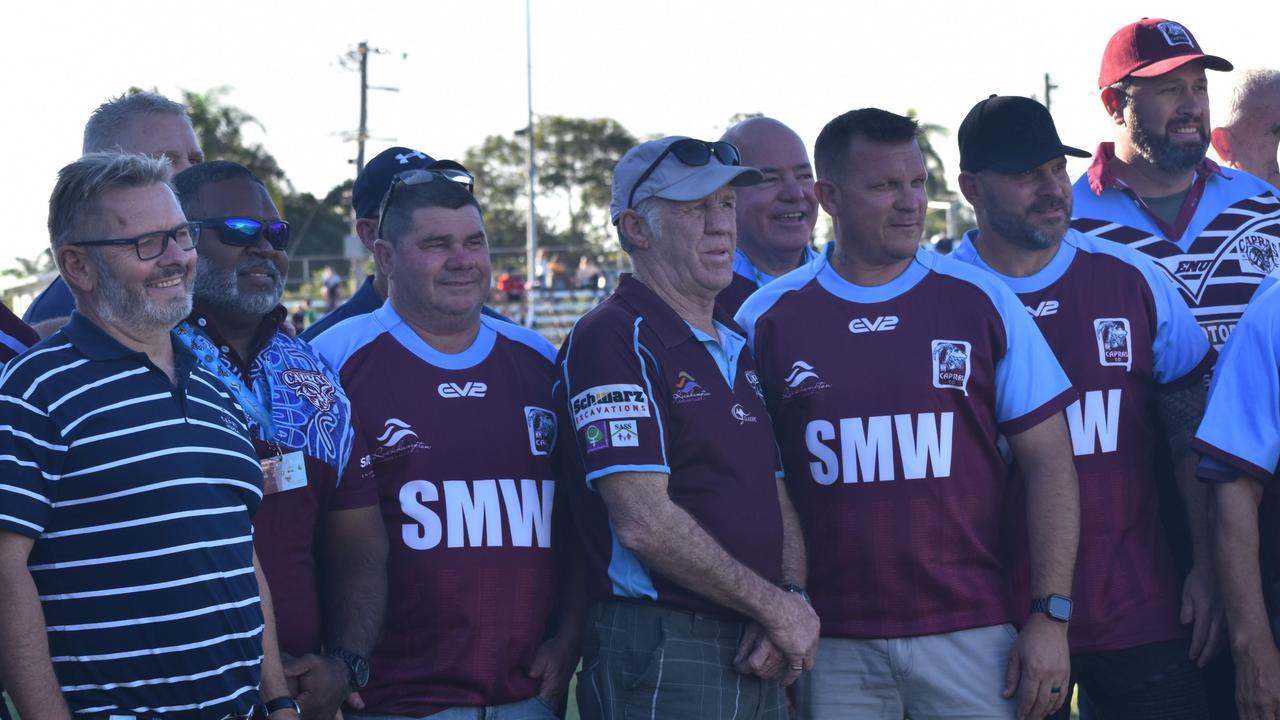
<point>127,571</point>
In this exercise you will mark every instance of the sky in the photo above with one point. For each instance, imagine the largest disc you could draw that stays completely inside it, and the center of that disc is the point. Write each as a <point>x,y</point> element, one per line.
<point>657,67</point>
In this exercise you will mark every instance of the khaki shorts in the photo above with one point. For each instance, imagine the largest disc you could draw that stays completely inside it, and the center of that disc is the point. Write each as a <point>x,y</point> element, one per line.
<point>953,675</point>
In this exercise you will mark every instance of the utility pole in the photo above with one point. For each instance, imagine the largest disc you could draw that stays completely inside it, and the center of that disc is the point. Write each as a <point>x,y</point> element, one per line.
<point>1049,87</point>
<point>532,238</point>
<point>363,133</point>
<point>359,58</point>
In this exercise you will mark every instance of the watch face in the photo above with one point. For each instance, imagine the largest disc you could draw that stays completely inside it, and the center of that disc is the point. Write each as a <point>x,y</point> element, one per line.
<point>1059,608</point>
<point>362,672</point>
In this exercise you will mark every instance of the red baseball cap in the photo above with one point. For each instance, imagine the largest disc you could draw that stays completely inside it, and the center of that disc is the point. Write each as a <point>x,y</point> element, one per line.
<point>1151,47</point>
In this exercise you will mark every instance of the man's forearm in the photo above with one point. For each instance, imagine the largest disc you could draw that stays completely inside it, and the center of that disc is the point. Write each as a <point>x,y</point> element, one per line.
<point>273,682</point>
<point>1234,531</point>
<point>25,668</point>
<point>795,559</point>
<point>1043,454</point>
<point>355,580</point>
<point>670,541</point>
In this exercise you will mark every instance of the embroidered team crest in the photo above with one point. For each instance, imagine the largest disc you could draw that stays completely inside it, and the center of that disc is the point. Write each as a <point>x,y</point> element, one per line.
<point>1114,346</point>
<point>951,365</point>
<point>1259,252</point>
<point>1175,34</point>
<point>311,386</point>
<point>542,429</point>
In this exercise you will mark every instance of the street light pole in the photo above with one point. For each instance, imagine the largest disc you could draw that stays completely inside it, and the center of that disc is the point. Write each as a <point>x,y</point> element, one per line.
<point>532,237</point>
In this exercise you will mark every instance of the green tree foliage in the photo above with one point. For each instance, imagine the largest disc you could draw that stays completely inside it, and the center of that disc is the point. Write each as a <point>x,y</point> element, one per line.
<point>319,225</point>
<point>575,168</point>
<point>220,129</point>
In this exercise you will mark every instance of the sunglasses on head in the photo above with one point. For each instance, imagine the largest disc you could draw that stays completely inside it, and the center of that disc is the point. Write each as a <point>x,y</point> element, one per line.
<point>418,177</point>
<point>694,153</point>
<point>244,232</point>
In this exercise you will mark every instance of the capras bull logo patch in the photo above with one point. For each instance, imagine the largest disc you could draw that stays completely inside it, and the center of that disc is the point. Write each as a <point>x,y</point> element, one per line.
<point>951,365</point>
<point>1114,345</point>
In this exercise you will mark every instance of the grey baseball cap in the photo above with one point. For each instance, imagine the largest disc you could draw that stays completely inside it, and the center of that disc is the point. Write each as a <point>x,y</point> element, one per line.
<point>671,179</point>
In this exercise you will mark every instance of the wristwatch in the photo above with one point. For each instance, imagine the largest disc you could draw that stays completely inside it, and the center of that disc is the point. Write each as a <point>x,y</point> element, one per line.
<point>283,702</point>
<point>1057,607</point>
<point>357,666</point>
<point>793,588</point>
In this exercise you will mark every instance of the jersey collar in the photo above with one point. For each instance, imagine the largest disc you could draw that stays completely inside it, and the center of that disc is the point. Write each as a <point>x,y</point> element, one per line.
<point>670,327</point>
<point>1101,176</point>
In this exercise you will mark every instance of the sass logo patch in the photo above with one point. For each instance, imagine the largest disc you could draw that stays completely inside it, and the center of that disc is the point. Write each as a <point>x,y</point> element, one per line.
<point>623,433</point>
<point>1259,252</point>
<point>596,435</point>
<point>688,389</point>
<point>951,365</point>
<point>608,402</point>
<point>1114,345</point>
<point>740,414</point>
<point>542,429</point>
<point>1175,34</point>
<point>311,386</point>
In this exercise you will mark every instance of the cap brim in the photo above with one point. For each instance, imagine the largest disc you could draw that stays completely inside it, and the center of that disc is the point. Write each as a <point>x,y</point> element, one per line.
<point>1017,165</point>
<point>1155,69</point>
<point>707,180</point>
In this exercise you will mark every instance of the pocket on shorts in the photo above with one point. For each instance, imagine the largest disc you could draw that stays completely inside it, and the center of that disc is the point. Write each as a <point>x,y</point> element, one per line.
<point>642,666</point>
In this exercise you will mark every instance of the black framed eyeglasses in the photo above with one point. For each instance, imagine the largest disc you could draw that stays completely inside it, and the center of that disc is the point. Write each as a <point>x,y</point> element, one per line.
<point>153,244</point>
<point>419,176</point>
<point>694,153</point>
<point>244,231</point>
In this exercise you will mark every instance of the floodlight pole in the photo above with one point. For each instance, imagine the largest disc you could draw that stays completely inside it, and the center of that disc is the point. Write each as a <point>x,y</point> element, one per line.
<point>532,241</point>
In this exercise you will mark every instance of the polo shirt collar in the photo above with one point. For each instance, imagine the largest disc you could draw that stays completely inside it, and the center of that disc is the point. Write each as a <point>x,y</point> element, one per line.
<point>672,330</point>
<point>1101,176</point>
<point>265,333</point>
<point>94,342</point>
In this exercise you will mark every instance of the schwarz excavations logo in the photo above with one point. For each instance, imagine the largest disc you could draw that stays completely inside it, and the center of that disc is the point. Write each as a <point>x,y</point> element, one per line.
<point>1114,346</point>
<point>951,365</point>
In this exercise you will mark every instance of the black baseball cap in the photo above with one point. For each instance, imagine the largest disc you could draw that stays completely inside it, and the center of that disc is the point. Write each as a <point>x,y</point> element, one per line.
<point>373,181</point>
<point>1010,134</point>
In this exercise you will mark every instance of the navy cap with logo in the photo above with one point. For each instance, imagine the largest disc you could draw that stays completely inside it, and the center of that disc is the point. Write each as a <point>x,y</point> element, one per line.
<point>373,181</point>
<point>1151,47</point>
<point>1010,134</point>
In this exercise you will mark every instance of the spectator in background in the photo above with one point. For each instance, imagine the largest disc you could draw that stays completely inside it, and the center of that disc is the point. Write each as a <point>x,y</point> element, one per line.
<point>144,123</point>
<point>332,284</point>
<point>1249,138</point>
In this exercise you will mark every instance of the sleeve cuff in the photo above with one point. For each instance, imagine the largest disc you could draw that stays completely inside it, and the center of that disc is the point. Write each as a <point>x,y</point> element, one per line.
<point>1044,412</point>
<point>1219,465</point>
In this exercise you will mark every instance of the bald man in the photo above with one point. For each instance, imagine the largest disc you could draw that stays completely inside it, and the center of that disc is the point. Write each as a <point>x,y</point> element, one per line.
<point>1251,134</point>
<point>775,217</point>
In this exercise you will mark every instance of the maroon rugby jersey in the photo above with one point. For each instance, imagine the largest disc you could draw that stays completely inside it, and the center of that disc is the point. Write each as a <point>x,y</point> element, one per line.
<point>1119,329</point>
<point>460,447</point>
<point>887,402</point>
<point>640,393</point>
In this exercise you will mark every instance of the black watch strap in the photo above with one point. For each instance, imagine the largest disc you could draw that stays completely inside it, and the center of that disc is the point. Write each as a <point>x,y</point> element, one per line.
<point>357,666</point>
<point>283,702</point>
<point>793,588</point>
